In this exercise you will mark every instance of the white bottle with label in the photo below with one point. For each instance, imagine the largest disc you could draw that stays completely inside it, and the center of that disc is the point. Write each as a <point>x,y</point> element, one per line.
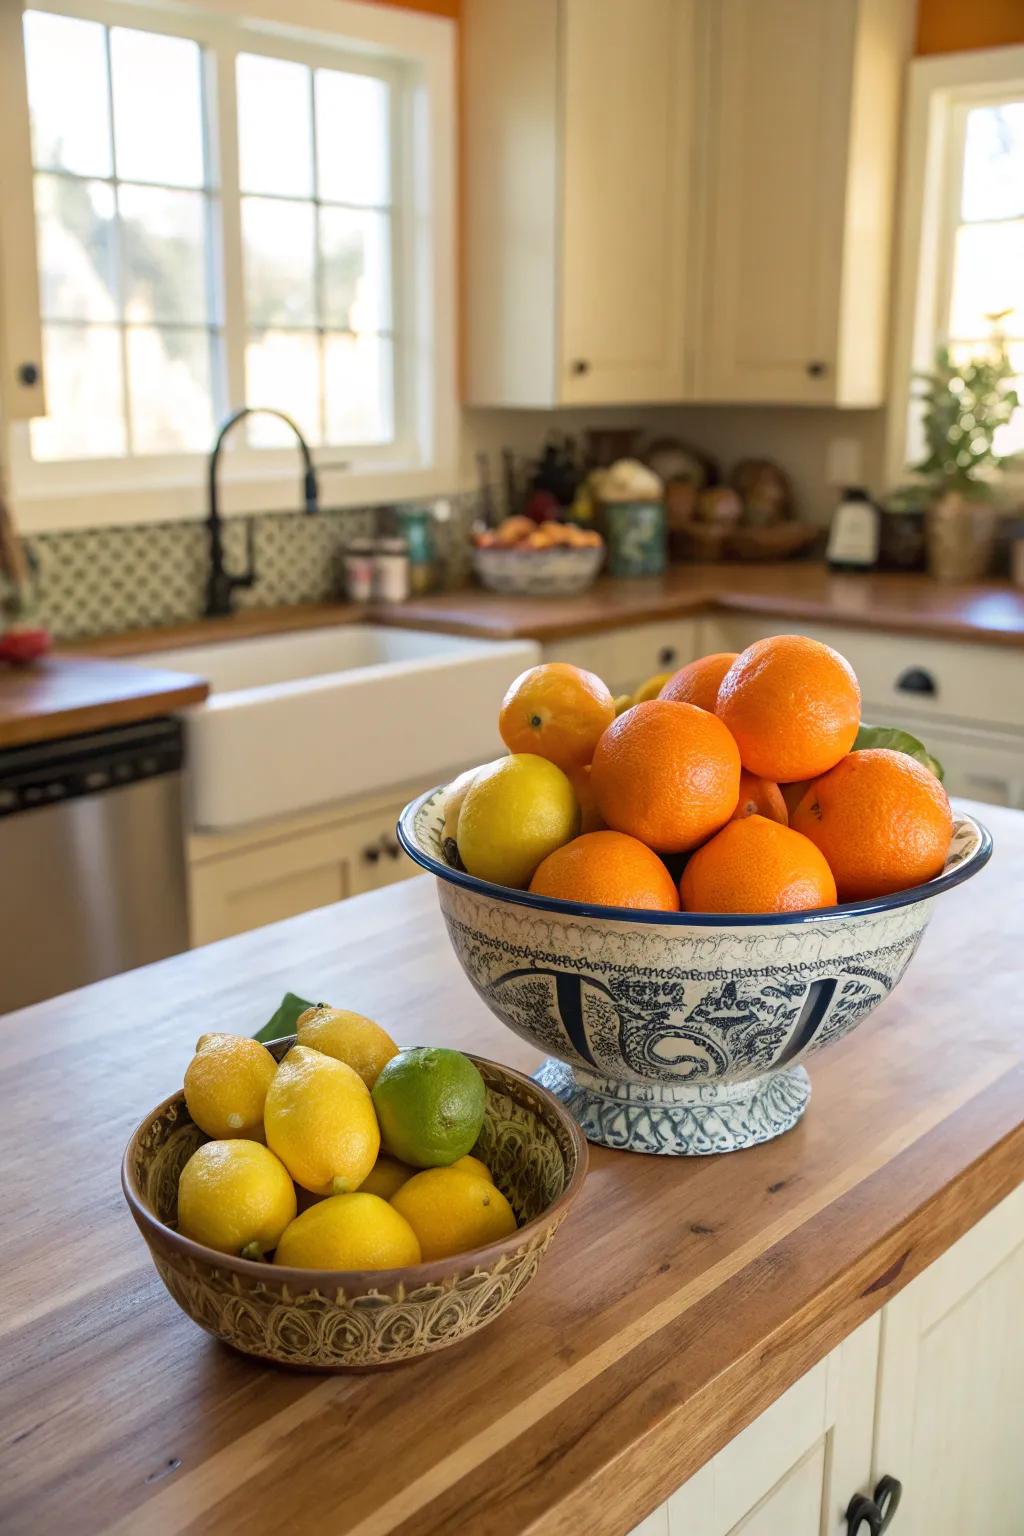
<point>854,533</point>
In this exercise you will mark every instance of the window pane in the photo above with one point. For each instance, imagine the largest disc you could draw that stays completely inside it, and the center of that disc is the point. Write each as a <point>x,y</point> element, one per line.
<point>83,394</point>
<point>163,244</point>
<point>994,162</point>
<point>283,370</point>
<point>169,390</point>
<point>352,138</point>
<point>77,271</point>
<point>988,277</point>
<point>358,387</point>
<point>278,246</point>
<point>355,269</point>
<point>275,129</point>
<point>158,116</point>
<point>66,62</point>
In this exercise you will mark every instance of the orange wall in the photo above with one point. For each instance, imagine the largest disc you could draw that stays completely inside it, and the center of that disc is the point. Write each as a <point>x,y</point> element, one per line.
<point>435,7</point>
<point>951,26</point>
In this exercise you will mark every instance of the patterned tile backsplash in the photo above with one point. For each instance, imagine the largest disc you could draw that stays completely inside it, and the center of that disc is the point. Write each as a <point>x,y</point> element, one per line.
<point>96,581</point>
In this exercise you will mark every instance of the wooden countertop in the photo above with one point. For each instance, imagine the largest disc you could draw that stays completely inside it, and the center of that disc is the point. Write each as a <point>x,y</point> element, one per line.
<point>64,695</point>
<point>678,1300</point>
<point>987,611</point>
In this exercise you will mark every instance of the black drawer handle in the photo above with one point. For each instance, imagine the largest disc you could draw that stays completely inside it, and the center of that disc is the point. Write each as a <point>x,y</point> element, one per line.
<point>579,366</point>
<point>668,656</point>
<point>877,1513</point>
<point>917,680</point>
<point>817,370</point>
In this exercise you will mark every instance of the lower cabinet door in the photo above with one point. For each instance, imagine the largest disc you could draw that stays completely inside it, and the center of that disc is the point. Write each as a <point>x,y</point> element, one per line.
<point>794,1470</point>
<point>950,1420</point>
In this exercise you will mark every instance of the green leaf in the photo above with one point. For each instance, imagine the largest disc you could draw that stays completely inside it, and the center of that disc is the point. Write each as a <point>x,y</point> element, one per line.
<point>284,1020</point>
<point>895,740</point>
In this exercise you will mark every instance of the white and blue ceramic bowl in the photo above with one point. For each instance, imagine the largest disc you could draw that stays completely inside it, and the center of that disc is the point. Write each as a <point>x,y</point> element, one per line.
<point>559,571</point>
<point>679,1033</point>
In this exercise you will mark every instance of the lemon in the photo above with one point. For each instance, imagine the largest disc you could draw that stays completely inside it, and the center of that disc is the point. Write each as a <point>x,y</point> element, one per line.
<point>319,1120</point>
<point>430,1102</point>
<point>386,1175</point>
<point>451,805</point>
<point>473,1165</point>
<point>226,1084</point>
<point>623,701</point>
<point>515,813</point>
<point>651,688</point>
<point>349,1037</point>
<point>452,1212</point>
<point>357,1231</point>
<point>235,1196</point>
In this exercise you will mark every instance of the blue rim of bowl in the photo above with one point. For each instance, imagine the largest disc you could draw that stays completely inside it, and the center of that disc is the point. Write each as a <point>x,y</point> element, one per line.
<point>945,882</point>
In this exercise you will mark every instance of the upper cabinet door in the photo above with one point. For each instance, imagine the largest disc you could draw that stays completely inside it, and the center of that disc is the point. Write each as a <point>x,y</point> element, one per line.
<point>800,124</point>
<point>626,151</point>
<point>21,361</point>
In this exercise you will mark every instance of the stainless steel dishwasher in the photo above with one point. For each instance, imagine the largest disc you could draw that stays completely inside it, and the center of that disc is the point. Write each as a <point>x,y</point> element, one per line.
<point>92,858</point>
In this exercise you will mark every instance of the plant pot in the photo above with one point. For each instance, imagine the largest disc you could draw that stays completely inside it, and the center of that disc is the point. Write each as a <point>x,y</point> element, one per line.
<point>960,537</point>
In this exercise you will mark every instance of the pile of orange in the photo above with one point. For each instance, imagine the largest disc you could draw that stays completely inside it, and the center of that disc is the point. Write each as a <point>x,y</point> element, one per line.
<point>743,766</point>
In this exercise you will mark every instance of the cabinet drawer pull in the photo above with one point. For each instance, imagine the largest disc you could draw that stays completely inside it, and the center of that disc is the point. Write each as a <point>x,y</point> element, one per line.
<point>668,656</point>
<point>917,680</point>
<point>371,854</point>
<point>817,370</point>
<point>877,1513</point>
<point>579,366</point>
<point>28,374</point>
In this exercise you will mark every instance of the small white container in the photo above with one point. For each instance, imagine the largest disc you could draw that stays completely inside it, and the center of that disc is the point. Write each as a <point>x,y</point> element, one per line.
<point>391,571</point>
<point>359,570</point>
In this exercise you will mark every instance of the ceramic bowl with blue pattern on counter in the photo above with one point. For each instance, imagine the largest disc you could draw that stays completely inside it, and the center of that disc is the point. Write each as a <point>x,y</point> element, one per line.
<point>679,1032</point>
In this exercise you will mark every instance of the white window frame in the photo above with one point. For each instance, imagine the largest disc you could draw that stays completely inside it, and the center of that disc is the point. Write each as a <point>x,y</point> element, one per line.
<point>941,91</point>
<point>417,52</point>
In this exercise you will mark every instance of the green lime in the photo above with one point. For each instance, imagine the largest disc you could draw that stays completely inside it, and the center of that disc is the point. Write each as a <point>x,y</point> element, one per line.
<point>430,1103</point>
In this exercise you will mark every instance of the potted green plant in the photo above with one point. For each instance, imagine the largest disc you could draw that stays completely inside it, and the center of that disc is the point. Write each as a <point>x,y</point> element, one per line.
<point>965,404</point>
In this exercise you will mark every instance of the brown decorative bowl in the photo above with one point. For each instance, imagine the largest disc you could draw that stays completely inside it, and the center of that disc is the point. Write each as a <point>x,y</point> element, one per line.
<point>336,1320</point>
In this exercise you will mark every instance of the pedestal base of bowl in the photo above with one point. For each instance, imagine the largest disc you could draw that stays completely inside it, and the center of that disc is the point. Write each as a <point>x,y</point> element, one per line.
<point>679,1121</point>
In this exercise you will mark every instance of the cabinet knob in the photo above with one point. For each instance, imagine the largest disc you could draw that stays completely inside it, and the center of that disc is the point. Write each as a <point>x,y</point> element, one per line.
<point>371,854</point>
<point>579,366</point>
<point>28,374</point>
<point>393,850</point>
<point>668,656</point>
<point>917,680</point>
<point>877,1513</point>
<point>817,369</point>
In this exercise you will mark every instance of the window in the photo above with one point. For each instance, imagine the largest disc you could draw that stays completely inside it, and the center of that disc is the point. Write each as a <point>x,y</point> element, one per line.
<point>962,277</point>
<point>239,212</point>
<point>131,336</point>
<point>315,179</point>
<point>984,287</point>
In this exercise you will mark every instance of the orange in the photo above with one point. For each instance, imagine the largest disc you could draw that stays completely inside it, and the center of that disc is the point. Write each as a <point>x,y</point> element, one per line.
<point>755,865</point>
<point>881,819</point>
<point>607,869</point>
<point>666,773</point>
<point>556,711</point>
<point>590,816</point>
<point>760,797</point>
<point>698,682</point>
<point>793,706</point>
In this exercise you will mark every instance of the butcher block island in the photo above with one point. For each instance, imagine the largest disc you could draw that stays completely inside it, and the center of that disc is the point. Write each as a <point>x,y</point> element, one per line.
<point>774,1331</point>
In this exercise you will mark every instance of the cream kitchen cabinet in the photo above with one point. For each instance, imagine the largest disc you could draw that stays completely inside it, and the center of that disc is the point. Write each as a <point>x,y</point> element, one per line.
<point>627,657</point>
<point>964,700</point>
<point>929,1392</point>
<point>798,114</point>
<point>951,1386</point>
<point>577,164</point>
<point>243,880</point>
<point>21,360</point>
